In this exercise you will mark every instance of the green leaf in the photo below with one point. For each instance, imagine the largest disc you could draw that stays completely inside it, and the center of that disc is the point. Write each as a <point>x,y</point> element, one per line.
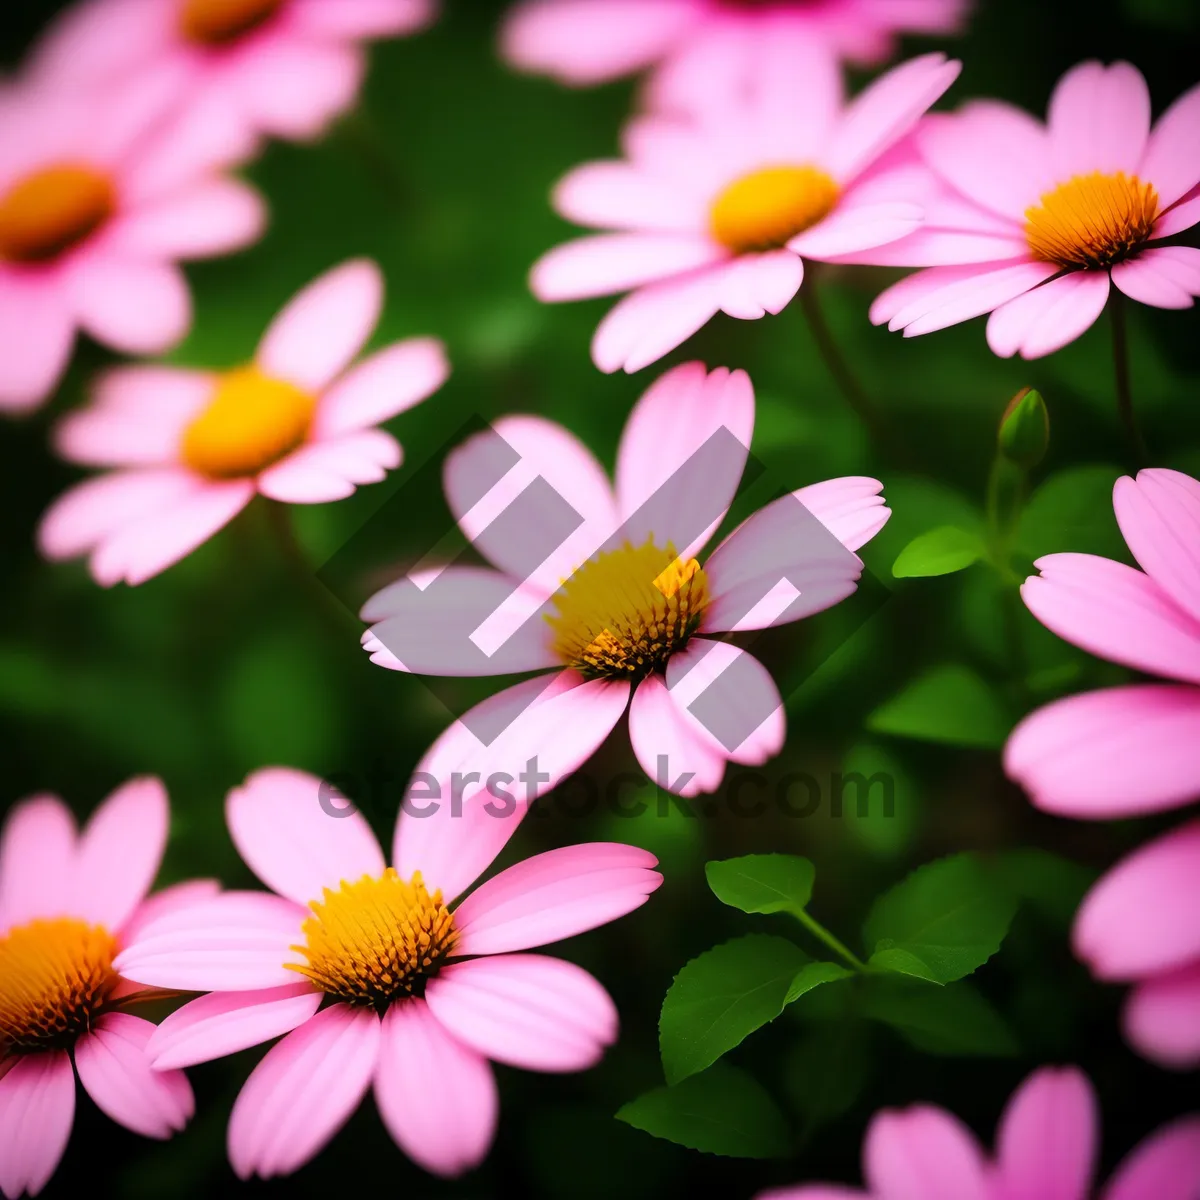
<point>826,1069</point>
<point>723,1111</point>
<point>939,1020</point>
<point>722,997</point>
<point>944,921</point>
<point>941,551</point>
<point>813,975</point>
<point>762,883</point>
<point>1073,510</point>
<point>948,704</point>
<point>1053,885</point>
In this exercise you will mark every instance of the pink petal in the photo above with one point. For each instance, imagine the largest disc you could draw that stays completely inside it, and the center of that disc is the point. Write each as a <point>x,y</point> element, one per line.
<point>36,336</point>
<point>1119,752</point>
<point>1158,278</point>
<point>286,837</point>
<point>963,298</point>
<point>852,508</point>
<point>1165,1166</point>
<point>1115,611</point>
<point>757,284</point>
<point>1173,150</point>
<point>915,291</point>
<point>619,195</point>
<point>120,849</point>
<point>616,262</point>
<point>134,306</point>
<point>1162,1018</point>
<point>1143,917</point>
<point>361,18</point>
<point>668,747</point>
<point>223,1023</point>
<point>37,861</point>
<point>857,228</point>
<point>1183,214</point>
<point>555,895</point>
<point>303,1092</point>
<point>1159,516</point>
<point>923,1153</point>
<point>97,39</point>
<point>115,1070</point>
<point>324,326</point>
<point>389,382</point>
<point>437,1098</point>
<point>37,1110</point>
<point>526,1010</point>
<point>1099,119</point>
<point>1047,1143</point>
<point>1068,308</point>
<point>168,900</point>
<point>215,216</point>
<point>331,470</point>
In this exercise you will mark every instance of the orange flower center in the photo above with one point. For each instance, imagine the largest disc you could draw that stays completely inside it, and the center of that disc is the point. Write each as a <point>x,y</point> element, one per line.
<point>251,422</point>
<point>55,977</point>
<point>52,210</point>
<point>767,208</point>
<point>218,22</point>
<point>376,940</point>
<point>1092,221</point>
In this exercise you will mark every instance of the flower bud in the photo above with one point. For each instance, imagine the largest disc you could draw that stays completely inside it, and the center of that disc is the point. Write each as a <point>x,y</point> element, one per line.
<point>1024,430</point>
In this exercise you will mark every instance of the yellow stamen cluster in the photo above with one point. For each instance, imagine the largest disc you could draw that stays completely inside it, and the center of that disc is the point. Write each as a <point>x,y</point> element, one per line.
<point>376,940</point>
<point>1092,221</point>
<point>46,213</point>
<point>55,977</point>
<point>626,611</point>
<point>217,22</point>
<point>251,422</point>
<point>767,208</point>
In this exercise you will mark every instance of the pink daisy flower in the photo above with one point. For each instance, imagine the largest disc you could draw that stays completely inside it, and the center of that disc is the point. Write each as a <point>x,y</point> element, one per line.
<point>719,215</point>
<point>68,902</point>
<point>280,67</point>
<point>423,992</point>
<point>99,200</point>
<point>191,448</point>
<point>1125,751</point>
<point>707,53</point>
<point>1046,1149</point>
<point>1039,220</point>
<point>600,588</point>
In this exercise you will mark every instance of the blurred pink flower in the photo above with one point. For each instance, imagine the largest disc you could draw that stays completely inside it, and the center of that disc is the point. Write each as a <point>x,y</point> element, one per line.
<point>707,53</point>
<point>192,447</point>
<point>68,902</point>
<point>423,994</point>
<point>280,67</point>
<point>1046,1149</point>
<point>718,215</point>
<point>1036,220</point>
<point>599,587</point>
<point>99,198</point>
<point>1126,751</point>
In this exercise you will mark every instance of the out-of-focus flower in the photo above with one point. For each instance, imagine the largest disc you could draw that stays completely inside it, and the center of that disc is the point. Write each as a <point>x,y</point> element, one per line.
<point>1038,220</point>
<point>718,215</point>
<point>99,199</point>
<point>1126,751</point>
<point>707,53</point>
<point>280,67</point>
<point>193,447</point>
<point>68,902</point>
<point>423,992</point>
<point>1046,1149</point>
<point>600,587</point>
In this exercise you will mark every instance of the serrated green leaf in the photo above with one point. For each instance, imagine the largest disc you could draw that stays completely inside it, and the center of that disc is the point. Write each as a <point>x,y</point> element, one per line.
<point>722,1111</point>
<point>941,551</point>
<point>813,975</point>
<point>948,704</point>
<point>762,883</point>
<point>722,997</point>
<point>939,1020</point>
<point>942,922</point>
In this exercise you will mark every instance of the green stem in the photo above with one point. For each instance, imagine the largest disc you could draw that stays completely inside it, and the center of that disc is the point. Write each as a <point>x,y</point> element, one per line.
<point>298,564</point>
<point>822,934</point>
<point>1120,345</point>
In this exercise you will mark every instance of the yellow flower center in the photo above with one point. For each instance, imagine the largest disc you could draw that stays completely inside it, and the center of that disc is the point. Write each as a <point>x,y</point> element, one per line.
<point>52,210</point>
<point>376,940</point>
<point>1092,221</point>
<point>55,977</point>
<point>626,611</point>
<point>217,22</point>
<point>766,209</point>
<point>251,422</point>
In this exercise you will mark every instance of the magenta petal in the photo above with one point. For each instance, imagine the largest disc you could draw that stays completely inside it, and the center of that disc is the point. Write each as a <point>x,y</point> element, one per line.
<point>1162,1018</point>
<point>36,335</point>
<point>37,1110</point>
<point>37,861</point>
<point>923,1152</point>
<point>1164,1166</point>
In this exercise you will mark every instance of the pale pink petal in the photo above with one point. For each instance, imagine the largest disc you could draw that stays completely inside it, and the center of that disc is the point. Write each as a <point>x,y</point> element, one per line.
<point>1143,917</point>
<point>98,38</point>
<point>555,895</point>
<point>438,1099</point>
<point>1182,215</point>
<point>389,382</point>
<point>137,306</point>
<point>223,1023</point>
<point>1098,119</point>
<point>1173,151</point>
<point>668,747</point>
<point>324,326</point>
<point>814,1191</point>
<point>915,290</point>
<point>923,1153</point>
<point>1162,1018</point>
<point>931,246</point>
<point>1164,1166</point>
<point>1047,1143</point>
<point>1114,753</point>
<point>1157,278</point>
<point>36,336</point>
<point>303,1092</point>
<point>37,1110</point>
<point>331,470</point>
<point>855,229</point>
<point>527,1010</point>
<point>619,195</point>
<point>1159,516</point>
<point>757,284</point>
<point>361,18</point>
<point>37,861</point>
<point>852,507</point>
<point>980,291</point>
<point>1058,312</point>
<point>616,262</point>
<point>215,216</point>
<point>288,839</point>
<point>163,903</point>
